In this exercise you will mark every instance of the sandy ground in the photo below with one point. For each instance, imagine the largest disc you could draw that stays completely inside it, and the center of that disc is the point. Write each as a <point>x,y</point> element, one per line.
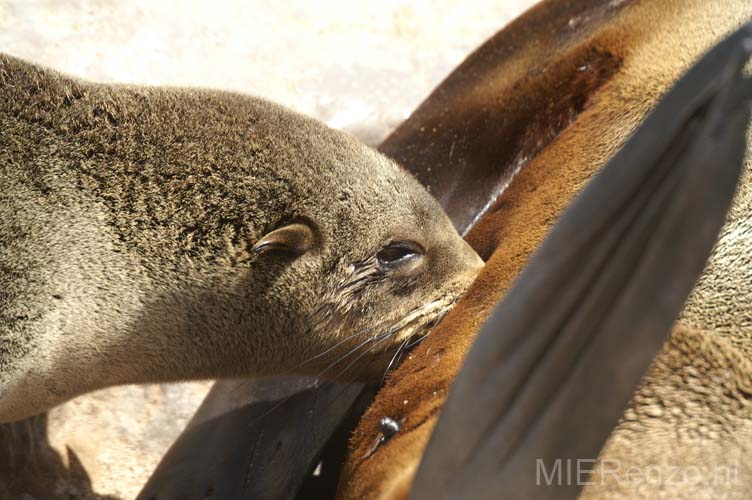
<point>359,66</point>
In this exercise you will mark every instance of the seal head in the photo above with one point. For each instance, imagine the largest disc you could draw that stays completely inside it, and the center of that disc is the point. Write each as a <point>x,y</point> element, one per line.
<point>152,234</point>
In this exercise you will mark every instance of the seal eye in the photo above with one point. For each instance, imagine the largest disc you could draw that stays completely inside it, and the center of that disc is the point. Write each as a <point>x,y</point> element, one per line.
<point>396,254</point>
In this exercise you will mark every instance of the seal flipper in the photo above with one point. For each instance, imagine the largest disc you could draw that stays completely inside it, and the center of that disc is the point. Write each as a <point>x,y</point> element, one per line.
<point>253,450</point>
<point>553,367</point>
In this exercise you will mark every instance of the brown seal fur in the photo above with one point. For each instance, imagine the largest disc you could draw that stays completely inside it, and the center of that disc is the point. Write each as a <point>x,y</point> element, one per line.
<point>692,408</point>
<point>154,234</point>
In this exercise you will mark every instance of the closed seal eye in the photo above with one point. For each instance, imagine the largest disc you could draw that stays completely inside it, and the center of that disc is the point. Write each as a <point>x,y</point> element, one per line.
<point>397,254</point>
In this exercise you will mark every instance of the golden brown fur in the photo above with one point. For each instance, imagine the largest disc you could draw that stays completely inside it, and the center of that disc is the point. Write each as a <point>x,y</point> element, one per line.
<point>700,382</point>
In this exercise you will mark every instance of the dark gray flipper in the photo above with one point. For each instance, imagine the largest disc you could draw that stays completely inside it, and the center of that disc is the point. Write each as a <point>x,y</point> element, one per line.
<point>557,361</point>
<point>262,449</point>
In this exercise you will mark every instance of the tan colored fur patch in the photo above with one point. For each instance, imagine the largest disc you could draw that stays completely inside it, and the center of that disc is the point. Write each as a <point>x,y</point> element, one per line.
<point>654,42</point>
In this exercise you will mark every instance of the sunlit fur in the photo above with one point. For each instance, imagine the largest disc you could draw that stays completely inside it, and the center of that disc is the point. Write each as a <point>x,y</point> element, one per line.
<point>693,408</point>
<point>127,218</point>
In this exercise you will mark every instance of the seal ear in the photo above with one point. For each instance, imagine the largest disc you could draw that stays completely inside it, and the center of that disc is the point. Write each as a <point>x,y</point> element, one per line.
<point>296,238</point>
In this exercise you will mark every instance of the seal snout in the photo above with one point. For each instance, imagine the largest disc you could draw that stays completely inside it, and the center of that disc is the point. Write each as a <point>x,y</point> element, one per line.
<point>464,264</point>
<point>473,260</point>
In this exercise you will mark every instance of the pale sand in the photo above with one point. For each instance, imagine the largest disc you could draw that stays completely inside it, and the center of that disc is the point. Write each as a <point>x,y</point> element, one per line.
<point>359,66</point>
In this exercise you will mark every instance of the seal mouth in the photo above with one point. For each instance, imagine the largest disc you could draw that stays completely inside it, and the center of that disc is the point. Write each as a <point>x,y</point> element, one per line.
<point>409,331</point>
<point>422,319</point>
<point>384,349</point>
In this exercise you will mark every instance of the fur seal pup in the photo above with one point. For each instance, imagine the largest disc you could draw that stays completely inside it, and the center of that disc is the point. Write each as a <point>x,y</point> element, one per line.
<point>169,234</point>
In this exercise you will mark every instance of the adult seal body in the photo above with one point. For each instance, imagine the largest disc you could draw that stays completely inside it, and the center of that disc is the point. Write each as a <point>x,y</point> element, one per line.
<point>168,234</point>
<point>550,119</point>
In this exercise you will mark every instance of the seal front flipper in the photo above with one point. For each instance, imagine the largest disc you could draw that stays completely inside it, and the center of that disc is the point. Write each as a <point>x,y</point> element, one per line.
<point>238,449</point>
<point>555,364</point>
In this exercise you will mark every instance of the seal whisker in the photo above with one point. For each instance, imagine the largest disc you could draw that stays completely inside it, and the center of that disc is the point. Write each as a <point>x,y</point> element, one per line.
<point>339,343</point>
<point>379,337</point>
<point>370,349</point>
<point>414,315</point>
<point>428,326</point>
<point>417,314</point>
<point>418,340</point>
<point>396,354</point>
